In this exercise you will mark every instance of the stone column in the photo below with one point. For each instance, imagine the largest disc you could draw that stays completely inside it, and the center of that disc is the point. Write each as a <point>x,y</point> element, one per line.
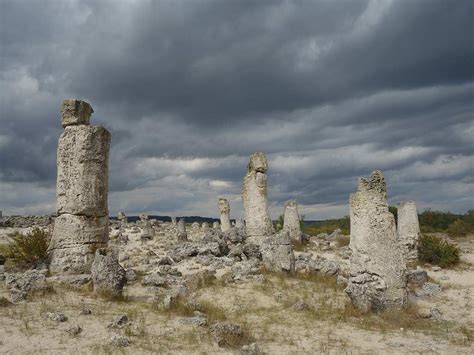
<point>181,230</point>
<point>408,229</point>
<point>224,210</point>
<point>82,224</point>
<point>377,267</point>
<point>122,218</point>
<point>173,221</point>
<point>254,195</point>
<point>291,220</point>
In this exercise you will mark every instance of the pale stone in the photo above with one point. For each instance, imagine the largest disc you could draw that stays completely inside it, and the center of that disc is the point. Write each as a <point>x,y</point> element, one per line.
<point>107,274</point>
<point>408,229</point>
<point>82,180</point>
<point>195,226</point>
<point>377,267</point>
<point>74,241</point>
<point>216,225</point>
<point>82,224</point>
<point>240,223</point>
<point>254,195</point>
<point>291,220</point>
<point>75,112</point>
<point>181,230</point>
<point>122,218</point>
<point>173,221</point>
<point>205,227</point>
<point>277,253</point>
<point>224,210</point>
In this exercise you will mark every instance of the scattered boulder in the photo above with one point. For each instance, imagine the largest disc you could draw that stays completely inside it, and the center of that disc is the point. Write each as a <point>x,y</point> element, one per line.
<point>227,334</point>
<point>277,253</point>
<point>20,285</point>
<point>107,274</point>
<point>57,317</point>
<point>119,341</point>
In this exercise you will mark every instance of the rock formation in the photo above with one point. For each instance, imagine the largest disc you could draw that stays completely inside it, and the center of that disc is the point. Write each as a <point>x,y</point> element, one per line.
<point>181,230</point>
<point>173,221</point>
<point>408,229</point>
<point>254,195</point>
<point>205,227</point>
<point>147,229</point>
<point>224,210</point>
<point>291,220</point>
<point>377,267</point>
<point>122,218</point>
<point>82,188</point>
<point>108,276</point>
<point>277,253</point>
<point>216,225</point>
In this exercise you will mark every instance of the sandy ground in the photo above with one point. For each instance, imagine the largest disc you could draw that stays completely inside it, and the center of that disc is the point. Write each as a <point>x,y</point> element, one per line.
<point>265,305</point>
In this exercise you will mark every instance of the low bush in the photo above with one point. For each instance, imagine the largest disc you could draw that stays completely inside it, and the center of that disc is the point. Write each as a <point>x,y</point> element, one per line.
<point>437,251</point>
<point>28,250</point>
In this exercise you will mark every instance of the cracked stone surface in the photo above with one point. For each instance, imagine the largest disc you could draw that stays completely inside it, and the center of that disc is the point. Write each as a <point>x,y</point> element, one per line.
<point>377,278</point>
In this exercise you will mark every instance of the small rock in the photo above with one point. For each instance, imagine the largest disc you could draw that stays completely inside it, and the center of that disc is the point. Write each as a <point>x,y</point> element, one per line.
<point>119,341</point>
<point>74,330</point>
<point>57,316</point>
<point>251,349</point>
<point>436,268</point>
<point>131,275</point>
<point>226,333</point>
<point>118,321</point>
<point>300,306</point>
<point>85,312</point>
<point>418,276</point>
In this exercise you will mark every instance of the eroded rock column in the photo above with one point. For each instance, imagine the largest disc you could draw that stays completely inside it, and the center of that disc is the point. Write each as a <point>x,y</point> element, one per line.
<point>291,220</point>
<point>408,229</point>
<point>181,230</point>
<point>224,210</point>
<point>377,266</point>
<point>254,195</point>
<point>82,191</point>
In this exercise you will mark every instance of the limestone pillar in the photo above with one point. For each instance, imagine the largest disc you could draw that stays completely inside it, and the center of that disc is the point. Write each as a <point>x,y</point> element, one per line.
<point>181,230</point>
<point>224,210</point>
<point>377,267</point>
<point>254,195</point>
<point>122,218</point>
<point>81,191</point>
<point>408,229</point>
<point>291,220</point>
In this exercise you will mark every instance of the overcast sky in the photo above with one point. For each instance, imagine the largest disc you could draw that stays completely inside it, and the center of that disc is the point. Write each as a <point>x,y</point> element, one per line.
<point>329,90</point>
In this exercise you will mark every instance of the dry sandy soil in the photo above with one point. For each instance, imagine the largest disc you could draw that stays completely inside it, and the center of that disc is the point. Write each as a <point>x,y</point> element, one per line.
<point>282,314</point>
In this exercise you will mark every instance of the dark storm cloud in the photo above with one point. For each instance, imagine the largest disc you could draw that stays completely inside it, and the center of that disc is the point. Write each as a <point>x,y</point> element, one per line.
<point>330,90</point>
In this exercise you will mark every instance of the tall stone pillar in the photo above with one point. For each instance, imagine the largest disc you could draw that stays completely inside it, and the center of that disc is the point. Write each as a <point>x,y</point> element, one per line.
<point>377,266</point>
<point>224,210</point>
<point>82,224</point>
<point>254,195</point>
<point>291,220</point>
<point>408,229</point>
<point>181,230</point>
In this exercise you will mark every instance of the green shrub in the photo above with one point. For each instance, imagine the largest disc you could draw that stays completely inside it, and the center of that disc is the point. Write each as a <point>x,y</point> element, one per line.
<point>28,250</point>
<point>458,228</point>
<point>437,251</point>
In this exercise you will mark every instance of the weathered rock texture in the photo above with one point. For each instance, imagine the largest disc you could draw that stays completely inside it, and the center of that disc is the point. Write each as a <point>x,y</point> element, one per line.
<point>291,220</point>
<point>181,230</point>
<point>82,190</point>
<point>277,253</point>
<point>224,210</point>
<point>408,229</point>
<point>377,267</point>
<point>75,112</point>
<point>108,276</point>
<point>122,218</point>
<point>254,195</point>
